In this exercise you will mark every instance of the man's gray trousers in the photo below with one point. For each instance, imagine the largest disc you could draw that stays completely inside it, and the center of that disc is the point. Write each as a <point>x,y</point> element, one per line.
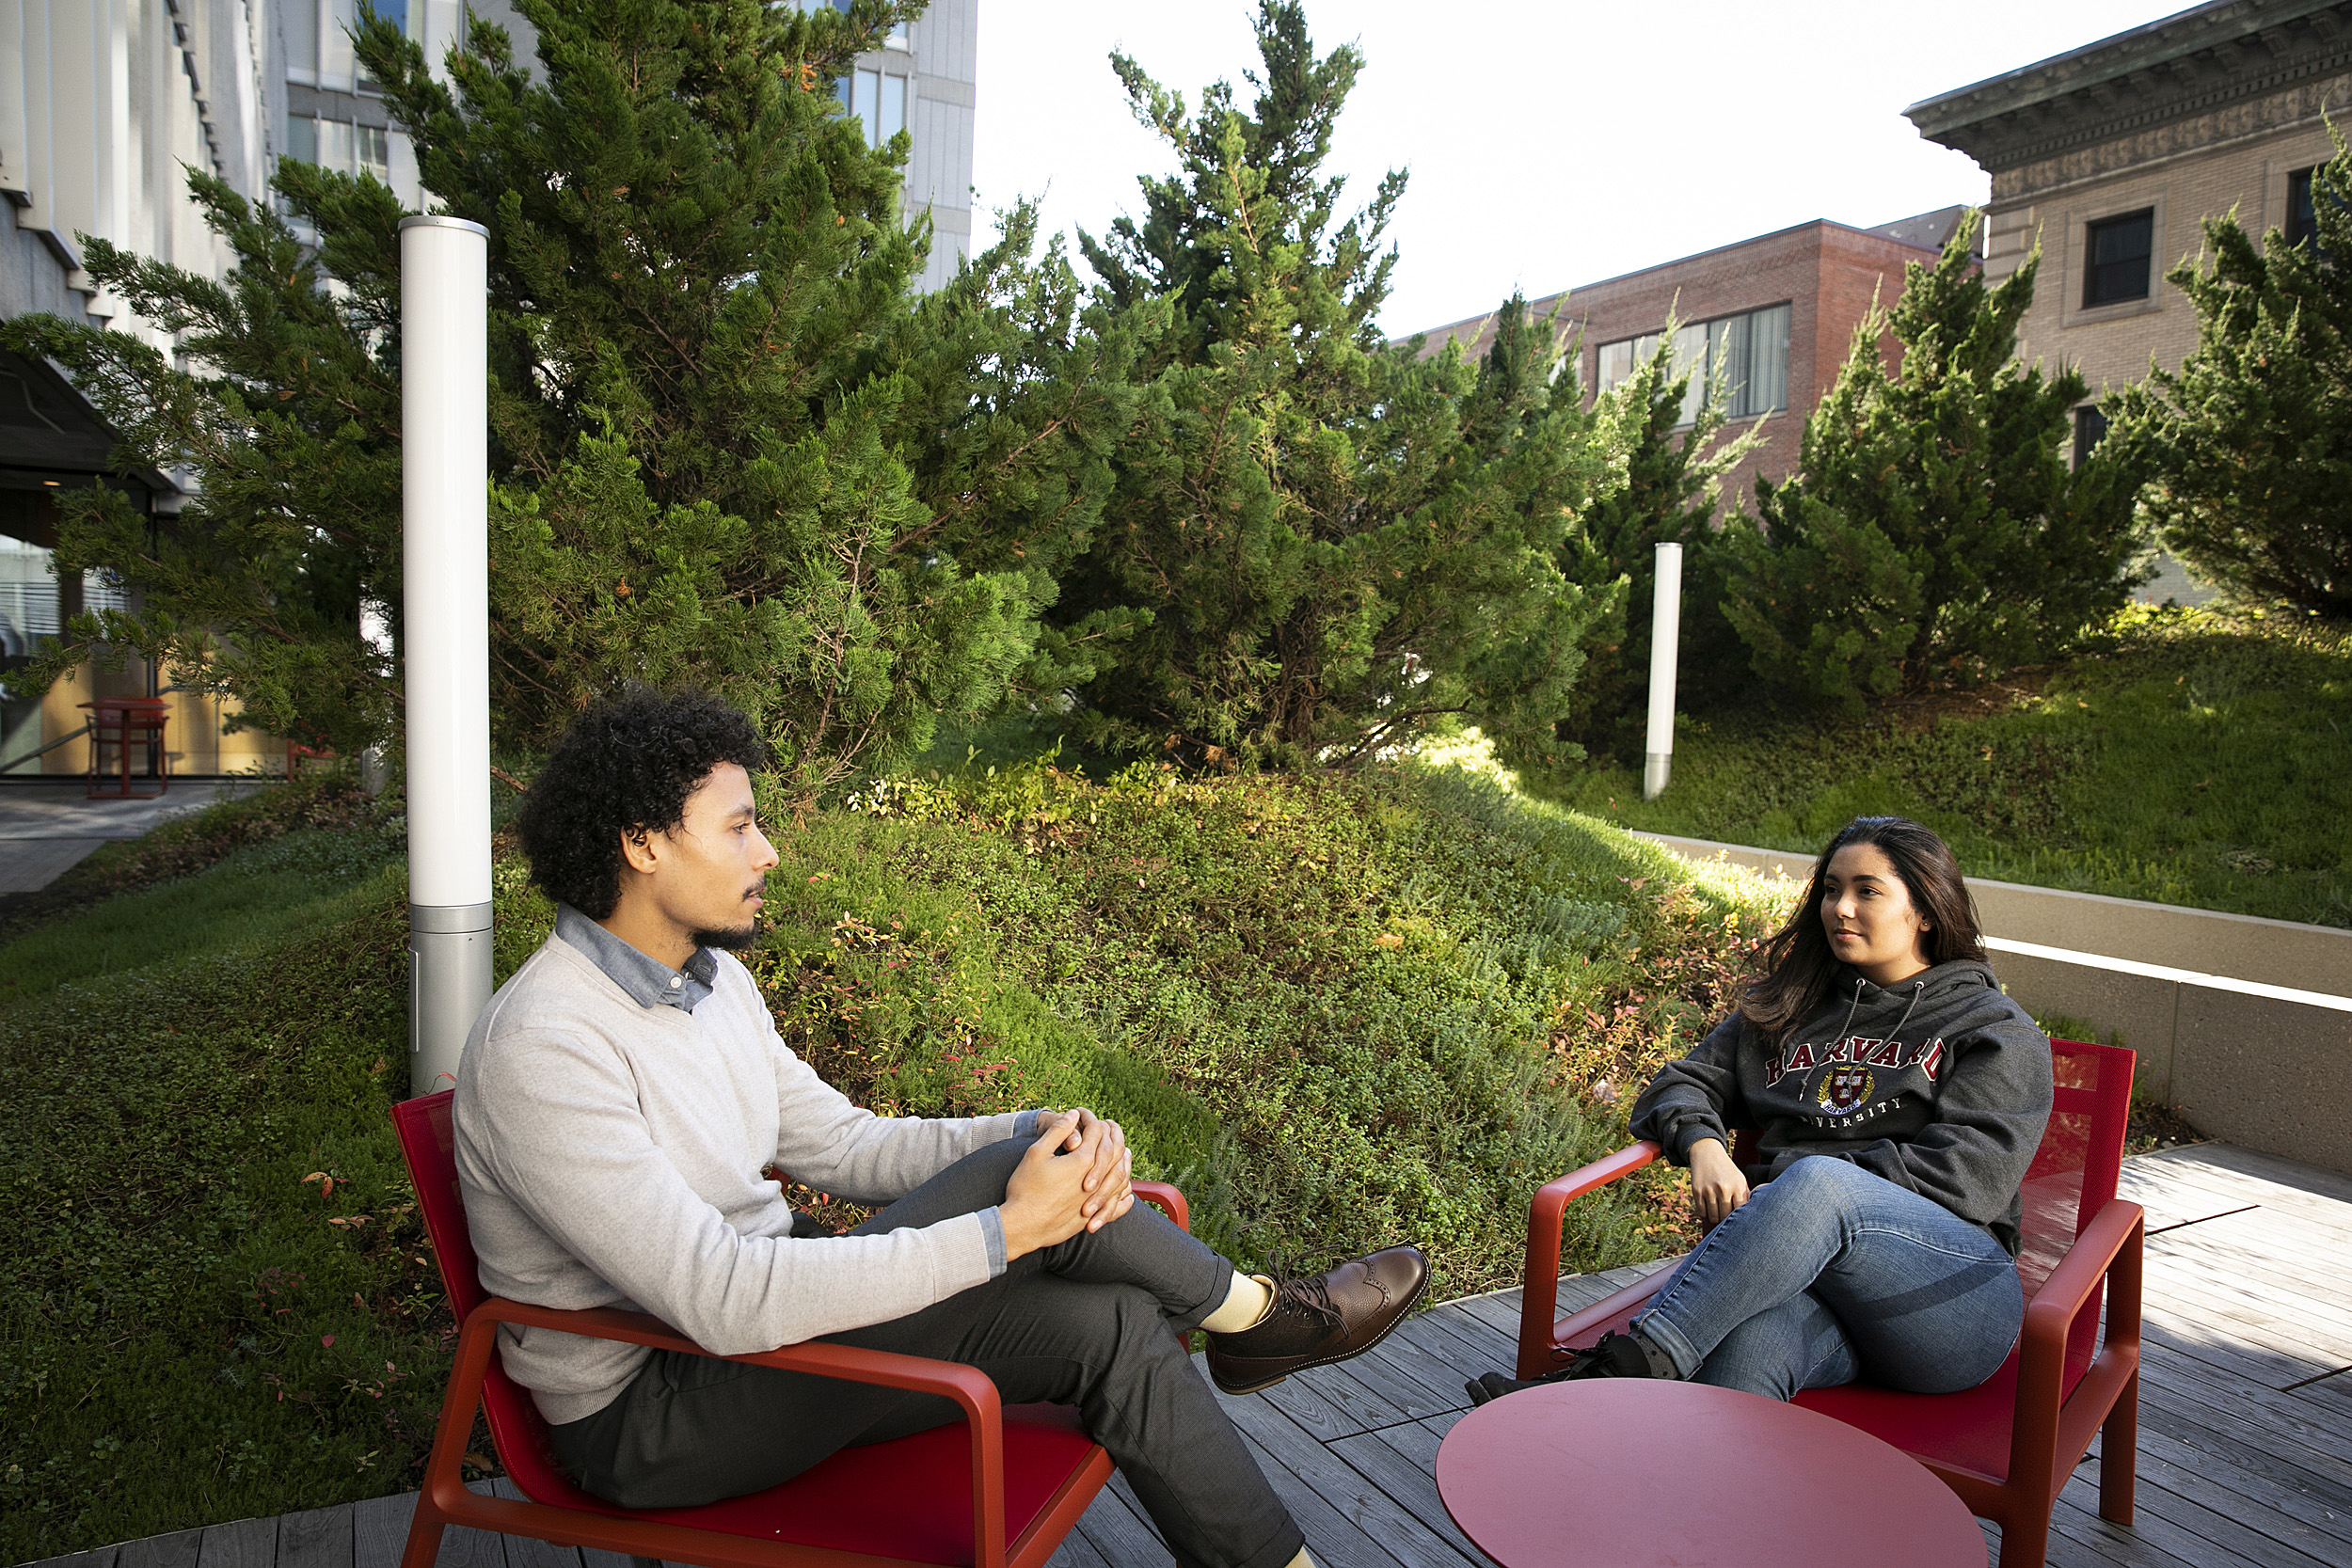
<point>1097,1322</point>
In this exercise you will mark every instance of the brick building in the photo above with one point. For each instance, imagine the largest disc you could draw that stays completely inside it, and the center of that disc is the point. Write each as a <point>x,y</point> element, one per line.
<point>1775,315</point>
<point>2111,157</point>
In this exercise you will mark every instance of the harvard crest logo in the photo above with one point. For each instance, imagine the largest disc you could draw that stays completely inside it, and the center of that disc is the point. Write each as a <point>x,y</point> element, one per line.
<point>1844,1087</point>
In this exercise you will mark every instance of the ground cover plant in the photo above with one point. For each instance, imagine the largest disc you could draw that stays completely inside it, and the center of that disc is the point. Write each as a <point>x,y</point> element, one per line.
<point>1341,1010</point>
<point>2186,756</point>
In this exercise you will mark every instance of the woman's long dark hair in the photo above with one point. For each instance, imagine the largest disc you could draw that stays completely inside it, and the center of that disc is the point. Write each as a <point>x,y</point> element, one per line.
<point>1799,968</point>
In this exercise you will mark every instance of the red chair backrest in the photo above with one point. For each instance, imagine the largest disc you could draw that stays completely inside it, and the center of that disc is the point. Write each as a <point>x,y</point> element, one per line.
<point>429,1143</point>
<point>2075,1172</point>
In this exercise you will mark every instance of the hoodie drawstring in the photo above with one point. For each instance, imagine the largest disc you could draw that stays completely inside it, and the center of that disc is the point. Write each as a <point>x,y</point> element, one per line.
<point>1918,991</point>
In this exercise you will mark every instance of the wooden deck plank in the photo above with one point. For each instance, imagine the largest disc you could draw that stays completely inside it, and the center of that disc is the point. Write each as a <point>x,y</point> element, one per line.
<point>2077,1519</point>
<point>2170,1490</point>
<point>2266,1319</point>
<point>320,1538</point>
<point>1347,1520</point>
<point>1444,1346</point>
<point>2185,1381</point>
<point>2271,1246</point>
<point>1498,1312</point>
<point>523,1551</point>
<point>2264,1250</point>
<point>1303,1401</point>
<point>2283,1491</point>
<point>2312,1181</point>
<point>1477,1339</point>
<point>2201,1340</point>
<point>2169,1522</point>
<point>240,1544</point>
<point>2326,1210</point>
<point>1345,1388</point>
<point>101,1557</point>
<point>2195,1321</point>
<point>1115,1527</point>
<point>1402,1461</point>
<point>178,1549</point>
<point>1076,1551</point>
<point>1402,1386</point>
<point>1406,1357</point>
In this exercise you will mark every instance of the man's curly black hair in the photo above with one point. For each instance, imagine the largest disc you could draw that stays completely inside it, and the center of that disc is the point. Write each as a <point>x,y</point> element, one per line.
<point>629,763</point>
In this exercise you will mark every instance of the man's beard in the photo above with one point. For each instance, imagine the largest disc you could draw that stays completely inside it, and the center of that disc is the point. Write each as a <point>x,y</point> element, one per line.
<point>730,937</point>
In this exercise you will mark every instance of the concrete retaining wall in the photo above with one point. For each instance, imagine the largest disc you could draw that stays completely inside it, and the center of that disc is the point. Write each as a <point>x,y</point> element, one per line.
<point>2251,1037</point>
<point>2271,952</point>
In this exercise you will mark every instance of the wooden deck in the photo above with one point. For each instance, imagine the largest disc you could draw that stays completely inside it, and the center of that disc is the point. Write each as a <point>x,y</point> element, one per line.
<point>2246,1416</point>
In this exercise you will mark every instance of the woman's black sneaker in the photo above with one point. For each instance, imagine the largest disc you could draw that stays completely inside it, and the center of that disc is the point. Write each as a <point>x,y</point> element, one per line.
<point>1614,1355</point>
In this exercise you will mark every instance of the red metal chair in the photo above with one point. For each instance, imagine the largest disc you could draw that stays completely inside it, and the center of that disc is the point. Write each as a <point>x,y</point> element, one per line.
<point>1014,1482</point>
<point>2006,1446</point>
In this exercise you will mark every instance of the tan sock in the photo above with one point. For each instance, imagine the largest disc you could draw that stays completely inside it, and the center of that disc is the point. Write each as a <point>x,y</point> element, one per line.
<point>1245,1306</point>
<point>1301,1561</point>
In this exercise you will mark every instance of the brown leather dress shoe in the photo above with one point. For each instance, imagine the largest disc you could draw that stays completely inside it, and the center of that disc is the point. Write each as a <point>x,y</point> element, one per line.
<point>1316,1321</point>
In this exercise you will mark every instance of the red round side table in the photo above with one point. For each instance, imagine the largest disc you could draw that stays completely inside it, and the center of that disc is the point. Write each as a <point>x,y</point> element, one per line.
<point>1632,1473</point>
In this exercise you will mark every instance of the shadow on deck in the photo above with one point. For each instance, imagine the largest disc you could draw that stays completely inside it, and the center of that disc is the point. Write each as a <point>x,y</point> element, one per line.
<point>2246,1416</point>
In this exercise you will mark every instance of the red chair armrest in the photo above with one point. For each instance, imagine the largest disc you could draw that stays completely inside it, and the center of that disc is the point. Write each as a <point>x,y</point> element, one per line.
<point>1166,1199</point>
<point>2099,1247</point>
<point>970,1387</point>
<point>967,1386</point>
<point>2106,1250</point>
<point>1539,1294</point>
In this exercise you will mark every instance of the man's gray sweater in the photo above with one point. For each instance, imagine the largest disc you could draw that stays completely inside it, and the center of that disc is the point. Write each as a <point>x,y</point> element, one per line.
<point>611,1154</point>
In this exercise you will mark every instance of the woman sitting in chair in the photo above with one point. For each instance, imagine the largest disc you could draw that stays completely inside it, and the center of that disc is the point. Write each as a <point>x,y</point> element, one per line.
<point>1900,1097</point>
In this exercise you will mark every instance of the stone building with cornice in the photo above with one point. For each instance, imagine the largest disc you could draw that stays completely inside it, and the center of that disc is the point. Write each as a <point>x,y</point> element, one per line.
<point>2111,157</point>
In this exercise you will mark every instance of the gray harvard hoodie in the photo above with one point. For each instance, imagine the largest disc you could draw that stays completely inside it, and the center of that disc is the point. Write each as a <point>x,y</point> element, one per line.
<point>1940,1085</point>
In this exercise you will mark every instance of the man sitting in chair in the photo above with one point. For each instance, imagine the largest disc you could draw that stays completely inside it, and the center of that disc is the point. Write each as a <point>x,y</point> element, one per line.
<point>622,1097</point>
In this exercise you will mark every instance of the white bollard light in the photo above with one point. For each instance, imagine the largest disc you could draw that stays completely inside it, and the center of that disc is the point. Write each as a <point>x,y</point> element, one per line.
<point>1665,632</point>
<point>445,633</point>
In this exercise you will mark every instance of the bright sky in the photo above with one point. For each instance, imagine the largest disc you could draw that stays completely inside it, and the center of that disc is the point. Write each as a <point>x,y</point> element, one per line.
<point>1557,144</point>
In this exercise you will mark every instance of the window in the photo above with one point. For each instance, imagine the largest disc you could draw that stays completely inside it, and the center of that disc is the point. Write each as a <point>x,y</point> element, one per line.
<point>2302,220</point>
<point>339,144</point>
<point>2118,250</point>
<point>1748,355</point>
<point>2090,425</point>
<point>318,38</point>
<point>880,100</point>
<point>373,151</point>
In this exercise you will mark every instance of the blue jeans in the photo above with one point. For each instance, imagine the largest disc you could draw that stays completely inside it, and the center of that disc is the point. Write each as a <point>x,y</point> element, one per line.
<point>1828,1275</point>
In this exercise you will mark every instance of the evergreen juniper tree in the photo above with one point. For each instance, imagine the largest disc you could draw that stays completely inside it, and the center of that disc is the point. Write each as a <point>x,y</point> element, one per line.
<point>729,448</point>
<point>1934,533</point>
<point>1336,541</point>
<point>1673,472</point>
<point>2248,445</point>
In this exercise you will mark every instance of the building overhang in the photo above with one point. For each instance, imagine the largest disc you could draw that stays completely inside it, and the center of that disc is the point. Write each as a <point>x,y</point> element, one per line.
<point>47,429</point>
<point>2174,69</point>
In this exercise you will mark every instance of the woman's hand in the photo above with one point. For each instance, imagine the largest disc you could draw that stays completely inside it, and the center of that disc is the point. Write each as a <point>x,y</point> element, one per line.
<point>1716,1185</point>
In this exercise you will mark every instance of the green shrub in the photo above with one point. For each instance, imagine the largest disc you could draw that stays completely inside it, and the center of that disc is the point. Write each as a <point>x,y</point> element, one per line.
<point>2249,442</point>
<point>1669,496</point>
<point>1933,534</point>
<point>1321,542</point>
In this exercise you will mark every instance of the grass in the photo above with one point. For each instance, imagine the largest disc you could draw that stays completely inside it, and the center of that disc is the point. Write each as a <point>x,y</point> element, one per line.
<point>2191,757</point>
<point>1341,1011</point>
